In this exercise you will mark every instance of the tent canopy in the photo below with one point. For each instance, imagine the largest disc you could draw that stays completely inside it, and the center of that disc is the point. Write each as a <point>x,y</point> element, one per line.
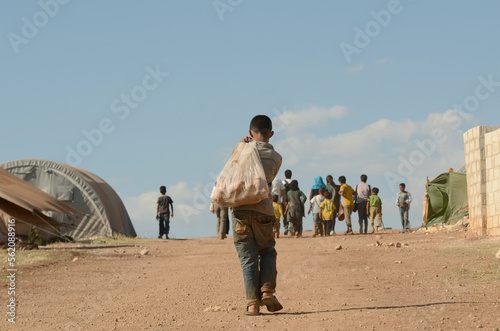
<point>102,212</point>
<point>26,203</point>
<point>25,195</point>
<point>448,200</point>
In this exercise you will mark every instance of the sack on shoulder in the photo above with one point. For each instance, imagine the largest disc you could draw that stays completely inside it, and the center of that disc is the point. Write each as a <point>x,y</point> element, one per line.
<point>355,207</point>
<point>341,216</point>
<point>242,181</point>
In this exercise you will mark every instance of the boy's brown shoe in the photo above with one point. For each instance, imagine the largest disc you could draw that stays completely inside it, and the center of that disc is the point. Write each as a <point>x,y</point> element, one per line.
<point>271,303</point>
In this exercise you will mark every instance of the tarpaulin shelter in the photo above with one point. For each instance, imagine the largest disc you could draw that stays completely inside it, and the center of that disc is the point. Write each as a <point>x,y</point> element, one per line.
<point>102,211</point>
<point>29,206</point>
<point>447,198</point>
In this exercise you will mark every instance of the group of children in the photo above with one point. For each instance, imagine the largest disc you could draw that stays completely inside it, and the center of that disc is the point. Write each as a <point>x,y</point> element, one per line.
<point>324,212</point>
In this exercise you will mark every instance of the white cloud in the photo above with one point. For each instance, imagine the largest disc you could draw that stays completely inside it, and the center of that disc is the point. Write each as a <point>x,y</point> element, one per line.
<point>384,139</point>
<point>293,122</point>
<point>356,68</point>
<point>142,207</point>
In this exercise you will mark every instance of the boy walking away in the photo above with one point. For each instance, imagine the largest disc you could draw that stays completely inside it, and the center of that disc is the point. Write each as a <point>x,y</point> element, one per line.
<point>163,213</point>
<point>403,200</point>
<point>295,208</point>
<point>286,184</point>
<point>327,213</point>
<point>253,228</point>
<point>374,209</point>
<point>278,214</point>
<point>316,203</point>
<point>362,192</point>
<point>347,192</point>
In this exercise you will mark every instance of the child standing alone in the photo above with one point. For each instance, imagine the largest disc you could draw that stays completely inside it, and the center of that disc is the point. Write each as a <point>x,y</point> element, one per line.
<point>163,214</point>
<point>374,209</point>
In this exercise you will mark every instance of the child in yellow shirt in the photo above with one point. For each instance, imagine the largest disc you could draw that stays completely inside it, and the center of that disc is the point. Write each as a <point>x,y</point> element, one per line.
<point>328,210</point>
<point>278,213</point>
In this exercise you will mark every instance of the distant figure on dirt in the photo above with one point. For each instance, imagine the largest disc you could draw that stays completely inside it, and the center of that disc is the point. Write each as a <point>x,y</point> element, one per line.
<point>222,214</point>
<point>362,192</point>
<point>295,208</point>
<point>163,212</point>
<point>333,189</point>
<point>374,210</point>
<point>346,192</point>
<point>286,184</point>
<point>403,200</point>
<point>253,228</point>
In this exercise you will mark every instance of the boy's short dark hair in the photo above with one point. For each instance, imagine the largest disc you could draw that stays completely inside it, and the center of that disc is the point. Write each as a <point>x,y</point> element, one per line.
<point>375,190</point>
<point>261,124</point>
<point>163,189</point>
<point>321,190</point>
<point>364,178</point>
<point>288,174</point>
<point>328,195</point>
<point>342,179</point>
<point>275,198</point>
<point>402,184</point>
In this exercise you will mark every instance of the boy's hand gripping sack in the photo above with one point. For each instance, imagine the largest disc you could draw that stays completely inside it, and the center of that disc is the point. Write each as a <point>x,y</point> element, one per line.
<point>242,181</point>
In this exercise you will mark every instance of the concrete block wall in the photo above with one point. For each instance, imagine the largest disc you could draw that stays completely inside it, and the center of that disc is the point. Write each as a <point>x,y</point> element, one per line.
<point>474,145</point>
<point>492,146</point>
<point>482,162</point>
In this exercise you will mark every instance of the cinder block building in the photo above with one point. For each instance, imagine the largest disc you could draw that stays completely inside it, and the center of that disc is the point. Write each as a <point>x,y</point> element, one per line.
<point>482,162</point>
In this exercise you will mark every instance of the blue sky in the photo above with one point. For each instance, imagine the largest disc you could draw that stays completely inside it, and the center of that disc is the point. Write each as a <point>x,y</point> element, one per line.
<point>164,89</point>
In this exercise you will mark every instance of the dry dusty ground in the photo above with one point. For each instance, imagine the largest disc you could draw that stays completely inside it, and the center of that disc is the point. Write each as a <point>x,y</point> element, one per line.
<point>443,280</point>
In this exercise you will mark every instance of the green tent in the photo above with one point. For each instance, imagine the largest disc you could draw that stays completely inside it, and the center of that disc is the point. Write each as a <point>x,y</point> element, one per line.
<point>448,201</point>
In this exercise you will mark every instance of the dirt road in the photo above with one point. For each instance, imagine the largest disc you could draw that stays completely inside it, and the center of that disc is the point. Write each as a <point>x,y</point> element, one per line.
<point>442,280</point>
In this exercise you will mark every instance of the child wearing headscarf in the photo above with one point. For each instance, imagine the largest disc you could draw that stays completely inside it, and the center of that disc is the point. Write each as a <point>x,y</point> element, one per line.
<point>318,183</point>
